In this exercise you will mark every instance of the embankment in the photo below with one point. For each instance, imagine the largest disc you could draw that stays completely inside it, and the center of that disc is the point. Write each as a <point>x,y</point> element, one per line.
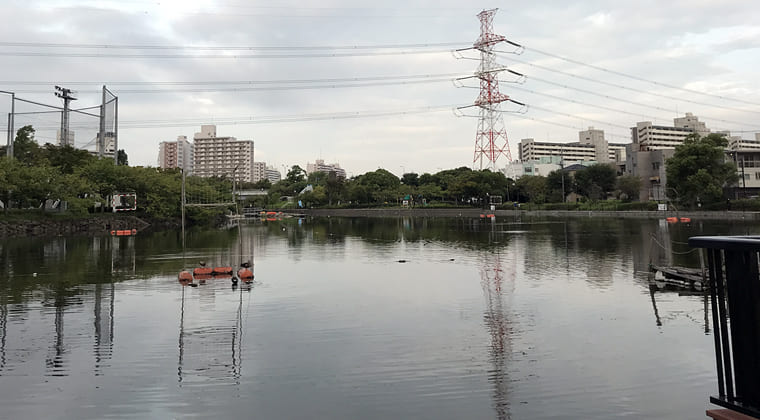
<point>467,212</point>
<point>85,226</point>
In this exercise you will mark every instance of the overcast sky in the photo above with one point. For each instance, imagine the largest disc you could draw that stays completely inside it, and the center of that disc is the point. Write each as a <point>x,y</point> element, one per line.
<point>397,92</point>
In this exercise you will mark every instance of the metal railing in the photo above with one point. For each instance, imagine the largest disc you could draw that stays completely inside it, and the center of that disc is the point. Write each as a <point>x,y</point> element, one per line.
<point>734,286</point>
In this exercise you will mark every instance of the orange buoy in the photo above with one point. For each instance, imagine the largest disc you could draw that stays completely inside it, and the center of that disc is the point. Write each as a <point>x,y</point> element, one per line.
<point>221,270</point>
<point>685,219</point>
<point>185,277</point>
<point>134,231</point>
<point>202,271</point>
<point>671,219</point>
<point>202,278</point>
<point>245,274</point>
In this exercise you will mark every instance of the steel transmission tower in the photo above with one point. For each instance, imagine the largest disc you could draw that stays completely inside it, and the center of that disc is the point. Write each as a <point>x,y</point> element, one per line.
<point>491,138</point>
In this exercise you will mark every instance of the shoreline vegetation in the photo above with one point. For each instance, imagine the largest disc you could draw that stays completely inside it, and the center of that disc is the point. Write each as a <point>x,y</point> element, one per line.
<point>56,190</point>
<point>38,225</point>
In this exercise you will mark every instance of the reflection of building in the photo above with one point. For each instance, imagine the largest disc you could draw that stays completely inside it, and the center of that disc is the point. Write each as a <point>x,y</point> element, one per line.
<point>222,156</point>
<point>321,166</point>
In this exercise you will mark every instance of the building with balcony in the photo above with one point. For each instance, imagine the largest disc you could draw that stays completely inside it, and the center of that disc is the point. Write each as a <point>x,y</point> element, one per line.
<point>222,156</point>
<point>176,154</point>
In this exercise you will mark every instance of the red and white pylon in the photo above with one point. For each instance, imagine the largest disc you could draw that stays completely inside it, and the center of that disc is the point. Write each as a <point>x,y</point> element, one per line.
<point>491,139</point>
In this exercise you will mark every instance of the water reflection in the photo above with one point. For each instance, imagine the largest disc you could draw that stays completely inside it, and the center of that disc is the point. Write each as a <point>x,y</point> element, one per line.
<point>340,329</point>
<point>210,342</point>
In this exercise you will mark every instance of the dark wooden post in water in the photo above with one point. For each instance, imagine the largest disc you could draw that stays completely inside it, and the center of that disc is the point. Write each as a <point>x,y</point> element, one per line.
<point>735,294</point>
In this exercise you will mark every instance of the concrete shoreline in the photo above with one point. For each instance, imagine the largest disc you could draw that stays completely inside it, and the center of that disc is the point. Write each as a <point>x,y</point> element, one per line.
<point>472,212</point>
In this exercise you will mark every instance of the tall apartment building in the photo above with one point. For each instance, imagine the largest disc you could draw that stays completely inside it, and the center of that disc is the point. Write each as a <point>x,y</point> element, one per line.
<point>647,136</point>
<point>176,154</point>
<point>595,148</point>
<point>321,166</point>
<point>222,156</point>
<point>259,171</point>
<point>595,137</point>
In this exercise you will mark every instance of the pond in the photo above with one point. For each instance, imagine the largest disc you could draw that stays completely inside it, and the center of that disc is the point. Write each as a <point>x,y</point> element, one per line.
<point>359,318</point>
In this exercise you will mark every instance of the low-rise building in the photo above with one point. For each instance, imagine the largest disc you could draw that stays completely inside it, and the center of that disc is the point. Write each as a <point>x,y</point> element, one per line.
<point>321,166</point>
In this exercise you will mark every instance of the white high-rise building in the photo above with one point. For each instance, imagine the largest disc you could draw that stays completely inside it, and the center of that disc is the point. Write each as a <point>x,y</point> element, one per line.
<point>595,137</point>
<point>647,136</point>
<point>222,156</point>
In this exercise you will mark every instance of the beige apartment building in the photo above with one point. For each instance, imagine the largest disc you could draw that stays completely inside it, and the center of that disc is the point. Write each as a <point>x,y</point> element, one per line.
<point>222,156</point>
<point>176,154</point>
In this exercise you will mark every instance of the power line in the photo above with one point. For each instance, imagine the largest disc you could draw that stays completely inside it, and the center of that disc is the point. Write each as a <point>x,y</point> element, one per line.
<point>641,79</point>
<point>193,56</point>
<point>593,80</point>
<point>238,82</point>
<point>281,119</point>
<point>223,47</point>
<point>628,101</point>
<point>601,106</point>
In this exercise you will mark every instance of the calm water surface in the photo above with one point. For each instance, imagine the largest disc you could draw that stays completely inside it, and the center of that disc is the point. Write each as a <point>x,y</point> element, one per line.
<point>359,318</point>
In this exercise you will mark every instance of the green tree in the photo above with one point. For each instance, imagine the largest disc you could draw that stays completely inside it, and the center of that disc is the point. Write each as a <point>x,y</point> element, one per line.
<point>557,183</point>
<point>532,188</point>
<point>629,187</point>
<point>698,170</point>
<point>25,148</point>
<point>596,181</point>
<point>411,179</point>
<point>122,158</point>
<point>66,158</point>
<point>295,174</point>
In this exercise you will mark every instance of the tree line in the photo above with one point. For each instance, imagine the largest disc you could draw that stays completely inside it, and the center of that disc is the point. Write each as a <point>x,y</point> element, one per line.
<point>36,173</point>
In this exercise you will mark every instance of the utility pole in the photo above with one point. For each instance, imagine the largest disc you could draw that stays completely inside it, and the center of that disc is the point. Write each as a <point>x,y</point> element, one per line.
<point>67,96</point>
<point>11,117</point>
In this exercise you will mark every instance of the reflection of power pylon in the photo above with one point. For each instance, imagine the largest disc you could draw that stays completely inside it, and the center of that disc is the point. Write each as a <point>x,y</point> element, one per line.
<point>492,275</point>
